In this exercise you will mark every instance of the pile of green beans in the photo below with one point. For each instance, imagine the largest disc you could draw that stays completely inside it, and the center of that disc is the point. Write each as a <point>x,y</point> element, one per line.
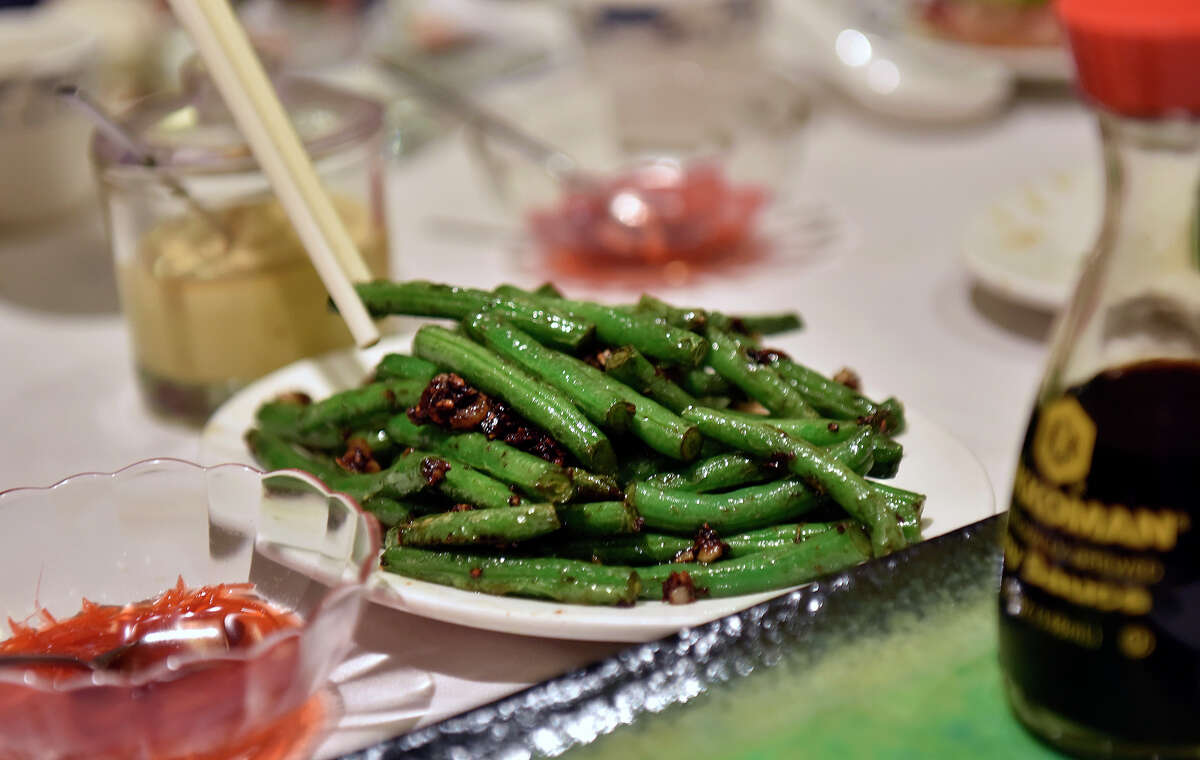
<point>670,479</point>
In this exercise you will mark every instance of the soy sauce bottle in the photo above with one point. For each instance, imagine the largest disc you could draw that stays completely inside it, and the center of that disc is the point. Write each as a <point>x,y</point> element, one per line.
<point>1100,595</point>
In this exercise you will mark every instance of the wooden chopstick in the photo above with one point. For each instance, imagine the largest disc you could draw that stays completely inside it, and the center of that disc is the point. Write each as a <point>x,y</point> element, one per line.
<point>243,83</point>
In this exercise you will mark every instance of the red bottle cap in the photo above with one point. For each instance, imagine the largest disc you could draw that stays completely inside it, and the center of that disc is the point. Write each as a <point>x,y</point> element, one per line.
<point>1136,57</point>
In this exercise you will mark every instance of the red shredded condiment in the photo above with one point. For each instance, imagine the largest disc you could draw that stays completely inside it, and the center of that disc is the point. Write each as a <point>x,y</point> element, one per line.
<point>180,620</point>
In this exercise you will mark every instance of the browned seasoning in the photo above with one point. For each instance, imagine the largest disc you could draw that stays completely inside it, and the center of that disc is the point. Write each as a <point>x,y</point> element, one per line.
<point>834,427</point>
<point>707,547</point>
<point>461,508</point>
<point>679,589</point>
<point>299,398</point>
<point>777,463</point>
<point>358,457</point>
<point>848,378</point>
<point>432,469</point>
<point>477,572</point>
<point>598,359</point>
<point>451,402</point>
<point>767,355</point>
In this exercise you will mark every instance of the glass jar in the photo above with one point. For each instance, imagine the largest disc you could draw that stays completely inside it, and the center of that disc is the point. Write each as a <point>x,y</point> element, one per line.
<point>219,295</point>
<point>1100,594</point>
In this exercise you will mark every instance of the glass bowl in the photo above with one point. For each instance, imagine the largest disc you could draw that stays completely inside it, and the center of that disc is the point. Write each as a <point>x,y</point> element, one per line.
<point>114,538</point>
<point>703,144</point>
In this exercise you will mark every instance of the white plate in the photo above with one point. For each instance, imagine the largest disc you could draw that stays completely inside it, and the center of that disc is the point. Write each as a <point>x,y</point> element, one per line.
<point>934,463</point>
<point>1028,245</point>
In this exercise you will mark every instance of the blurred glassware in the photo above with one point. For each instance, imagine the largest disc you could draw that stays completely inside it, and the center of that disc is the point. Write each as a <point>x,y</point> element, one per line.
<point>43,143</point>
<point>465,43</point>
<point>115,538</point>
<point>211,309</point>
<point>682,120</point>
<point>307,34</point>
<point>1021,35</point>
<point>132,39</point>
<point>897,74</point>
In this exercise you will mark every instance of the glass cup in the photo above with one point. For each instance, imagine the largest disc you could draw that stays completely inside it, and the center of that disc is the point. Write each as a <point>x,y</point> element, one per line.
<point>217,289</point>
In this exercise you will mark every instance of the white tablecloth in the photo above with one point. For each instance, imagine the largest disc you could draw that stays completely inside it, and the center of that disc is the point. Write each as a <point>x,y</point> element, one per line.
<point>899,306</point>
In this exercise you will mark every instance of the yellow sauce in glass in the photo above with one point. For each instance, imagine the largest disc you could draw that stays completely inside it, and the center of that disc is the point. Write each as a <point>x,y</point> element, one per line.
<point>206,310</point>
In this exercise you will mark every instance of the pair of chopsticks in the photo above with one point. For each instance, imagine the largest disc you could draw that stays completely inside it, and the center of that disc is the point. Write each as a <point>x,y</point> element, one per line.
<point>243,83</point>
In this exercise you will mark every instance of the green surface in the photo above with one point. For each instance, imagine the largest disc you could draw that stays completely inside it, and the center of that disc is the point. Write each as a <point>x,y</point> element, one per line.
<point>928,688</point>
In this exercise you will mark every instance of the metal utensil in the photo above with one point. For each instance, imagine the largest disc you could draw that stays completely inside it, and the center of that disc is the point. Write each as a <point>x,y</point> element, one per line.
<point>560,165</point>
<point>113,130</point>
<point>102,661</point>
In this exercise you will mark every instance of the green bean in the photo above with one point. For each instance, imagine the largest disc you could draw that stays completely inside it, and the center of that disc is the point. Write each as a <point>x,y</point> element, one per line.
<point>533,475</point>
<point>688,319</point>
<point>579,382</point>
<point>856,452</point>
<point>591,390</point>
<point>837,400</point>
<point>734,469</point>
<point>819,432</point>
<point>641,465</point>
<point>482,526</point>
<point>703,381</point>
<point>592,487</point>
<point>377,440</point>
<point>425,299</point>
<point>651,336</point>
<point>654,548</point>
<point>678,511</point>
<point>779,536</point>
<point>769,324</point>
<point>631,368</point>
<point>349,409</point>
<point>548,290</point>
<point>540,404</point>
<point>888,453</point>
<point>908,518</point>
<point>407,475</point>
<point>849,490</point>
<point>763,571</point>
<point>727,470</point>
<point>562,580</point>
<point>282,418</point>
<point>895,495</point>
<point>758,381</point>
<point>598,518</point>
<point>463,485</point>
<point>696,319</point>
<point>388,511</point>
<point>404,367</point>
<point>634,549</point>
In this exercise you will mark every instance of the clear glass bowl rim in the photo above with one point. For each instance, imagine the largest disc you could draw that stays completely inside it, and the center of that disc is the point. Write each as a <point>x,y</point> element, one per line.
<point>178,666</point>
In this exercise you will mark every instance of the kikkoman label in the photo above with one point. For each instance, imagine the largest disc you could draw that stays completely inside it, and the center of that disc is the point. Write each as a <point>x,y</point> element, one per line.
<point>1064,441</point>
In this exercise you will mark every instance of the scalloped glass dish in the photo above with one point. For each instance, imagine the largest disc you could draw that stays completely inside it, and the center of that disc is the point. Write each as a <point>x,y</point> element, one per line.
<point>935,463</point>
<point>114,538</point>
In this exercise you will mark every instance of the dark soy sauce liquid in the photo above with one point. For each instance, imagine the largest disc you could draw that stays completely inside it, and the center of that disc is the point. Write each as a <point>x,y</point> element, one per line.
<point>1146,454</point>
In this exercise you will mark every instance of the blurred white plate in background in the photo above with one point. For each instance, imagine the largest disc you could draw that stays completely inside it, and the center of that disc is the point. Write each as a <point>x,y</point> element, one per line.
<point>1029,244</point>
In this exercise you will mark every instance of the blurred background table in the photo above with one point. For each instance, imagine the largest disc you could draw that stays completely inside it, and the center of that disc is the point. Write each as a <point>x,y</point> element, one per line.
<point>895,300</point>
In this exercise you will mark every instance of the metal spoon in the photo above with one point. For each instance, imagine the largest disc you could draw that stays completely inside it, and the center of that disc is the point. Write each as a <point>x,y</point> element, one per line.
<point>117,133</point>
<point>102,661</point>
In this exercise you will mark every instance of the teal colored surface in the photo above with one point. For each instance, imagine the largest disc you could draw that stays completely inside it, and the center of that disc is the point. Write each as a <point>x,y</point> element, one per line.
<point>928,688</point>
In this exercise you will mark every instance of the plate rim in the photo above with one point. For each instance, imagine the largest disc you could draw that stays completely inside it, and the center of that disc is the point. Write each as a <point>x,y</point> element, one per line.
<point>514,615</point>
<point>1040,293</point>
